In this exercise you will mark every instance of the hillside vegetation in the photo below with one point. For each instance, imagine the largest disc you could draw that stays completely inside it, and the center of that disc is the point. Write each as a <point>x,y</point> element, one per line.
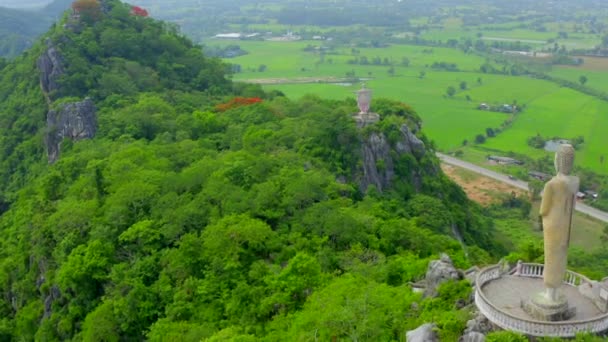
<point>193,214</point>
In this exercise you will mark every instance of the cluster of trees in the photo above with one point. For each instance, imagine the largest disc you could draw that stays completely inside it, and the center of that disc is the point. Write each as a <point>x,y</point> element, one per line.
<point>228,51</point>
<point>451,90</point>
<point>539,142</point>
<point>134,54</point>
<point>445,66</point>
<point>363,60</point>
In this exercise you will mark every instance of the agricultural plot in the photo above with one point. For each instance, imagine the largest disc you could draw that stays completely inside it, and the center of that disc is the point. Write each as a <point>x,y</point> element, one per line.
<point>564,113</point>
<point>288,59</point>
<point>512,32</point>
<point>595,70</point>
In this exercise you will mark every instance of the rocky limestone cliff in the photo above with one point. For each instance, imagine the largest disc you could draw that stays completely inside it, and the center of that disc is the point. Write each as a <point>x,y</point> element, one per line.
<point>51,68</point>
<point>75,121</point>
<point>424,333</point>
<point>439,272</point>
<point>379,163</point>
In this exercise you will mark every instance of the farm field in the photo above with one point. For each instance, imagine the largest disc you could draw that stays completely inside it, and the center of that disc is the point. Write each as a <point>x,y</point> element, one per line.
<point>288,59</point>
<point>510,32</point>
<point>550,110</point>
<point>595,69</point>
<point>564,113</point>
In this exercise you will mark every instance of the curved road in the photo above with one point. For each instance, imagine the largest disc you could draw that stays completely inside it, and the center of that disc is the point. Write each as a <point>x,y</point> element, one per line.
<point>583,208</point>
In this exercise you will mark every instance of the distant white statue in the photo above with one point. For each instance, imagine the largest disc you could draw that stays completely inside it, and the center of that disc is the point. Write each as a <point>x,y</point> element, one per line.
<point>364,98</point>
<point>556,209</point>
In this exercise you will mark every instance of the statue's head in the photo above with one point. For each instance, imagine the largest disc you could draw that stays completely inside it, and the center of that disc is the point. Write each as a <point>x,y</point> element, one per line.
<point>564,159</point>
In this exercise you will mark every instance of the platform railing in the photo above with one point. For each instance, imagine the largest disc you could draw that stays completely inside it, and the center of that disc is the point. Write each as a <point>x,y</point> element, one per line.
<point>528,326</point>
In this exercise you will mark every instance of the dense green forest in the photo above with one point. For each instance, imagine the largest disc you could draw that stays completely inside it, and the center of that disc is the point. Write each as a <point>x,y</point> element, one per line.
<point>206,209</point>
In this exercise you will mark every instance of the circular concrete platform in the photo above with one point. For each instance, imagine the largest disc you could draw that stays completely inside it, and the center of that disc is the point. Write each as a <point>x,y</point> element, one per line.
<point>499,297</point>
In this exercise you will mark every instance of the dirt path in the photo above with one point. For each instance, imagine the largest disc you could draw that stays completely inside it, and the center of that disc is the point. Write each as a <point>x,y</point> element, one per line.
<point>480,189</point>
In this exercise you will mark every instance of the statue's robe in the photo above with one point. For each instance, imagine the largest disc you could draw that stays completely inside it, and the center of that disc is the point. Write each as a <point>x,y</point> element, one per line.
<point>556,210</point>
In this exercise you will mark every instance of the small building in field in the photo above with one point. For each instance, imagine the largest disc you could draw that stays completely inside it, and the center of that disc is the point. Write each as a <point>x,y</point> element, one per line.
<point>228,36</point>
<point>505,160</point>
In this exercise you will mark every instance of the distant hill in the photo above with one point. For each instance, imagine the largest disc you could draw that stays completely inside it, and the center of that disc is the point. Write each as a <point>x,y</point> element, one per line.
<point>20,27</point>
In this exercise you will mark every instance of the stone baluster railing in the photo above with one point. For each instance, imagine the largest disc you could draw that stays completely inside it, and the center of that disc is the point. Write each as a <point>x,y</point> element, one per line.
<point>532,327</point>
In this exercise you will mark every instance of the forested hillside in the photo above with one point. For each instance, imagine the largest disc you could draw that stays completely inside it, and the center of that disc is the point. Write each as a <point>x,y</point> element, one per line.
<point>19,28</point>
<point>202,209</point>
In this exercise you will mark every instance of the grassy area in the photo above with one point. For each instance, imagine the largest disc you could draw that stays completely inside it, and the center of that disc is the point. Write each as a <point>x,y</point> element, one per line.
<point>586,232</point>
<point>477,154</point>
<point>597,76</point>
<point>288,59</point>
<point>566,114</point>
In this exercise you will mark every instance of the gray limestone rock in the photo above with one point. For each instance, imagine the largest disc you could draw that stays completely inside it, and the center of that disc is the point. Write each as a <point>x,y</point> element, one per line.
<point>54,294</point>
<point>471,274</point>
<point>438,272</point>
<point>75,121</point>
<point>410,143</point>
<point>379,163</point>
<point>51,68</point>
<point>479,324</point>
<point>424,333</point>
<point>473,337</point>
<point>376,151</point>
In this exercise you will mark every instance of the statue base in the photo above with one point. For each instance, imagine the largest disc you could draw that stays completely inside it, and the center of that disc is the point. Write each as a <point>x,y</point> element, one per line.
<point>541,308</point>
<point>364,119</point>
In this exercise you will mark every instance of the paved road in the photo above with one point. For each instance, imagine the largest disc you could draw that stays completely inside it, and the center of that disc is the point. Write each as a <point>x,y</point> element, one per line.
<point>583,208</point>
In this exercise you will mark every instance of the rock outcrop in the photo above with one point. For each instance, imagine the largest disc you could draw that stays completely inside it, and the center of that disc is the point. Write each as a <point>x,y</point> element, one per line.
<point>410,143</point>
<point>379,163</point>
<point>477,329</point>
<point>54,294</point>
<point>424,333</point>
<point>51,68</point>
<point>438,272</point>
<point>473,337</point>
<point>75,121</point>
<point>377,151</point>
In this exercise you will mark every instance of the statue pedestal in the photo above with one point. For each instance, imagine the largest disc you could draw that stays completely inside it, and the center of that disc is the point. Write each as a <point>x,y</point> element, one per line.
<point>544,309</point>
<point>364,119</point>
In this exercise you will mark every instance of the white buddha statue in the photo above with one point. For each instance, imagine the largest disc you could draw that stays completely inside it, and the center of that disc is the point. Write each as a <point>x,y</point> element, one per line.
<point>556,210</point>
